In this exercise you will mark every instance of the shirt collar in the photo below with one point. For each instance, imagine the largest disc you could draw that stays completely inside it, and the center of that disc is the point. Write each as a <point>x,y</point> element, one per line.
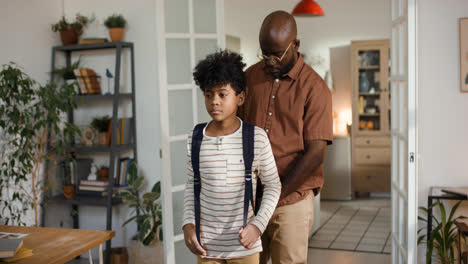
<point>296,69</point>
<point>292,74</point>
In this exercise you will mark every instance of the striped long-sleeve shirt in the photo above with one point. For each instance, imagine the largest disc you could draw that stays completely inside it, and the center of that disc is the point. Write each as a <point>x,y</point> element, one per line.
<point>222,192</point>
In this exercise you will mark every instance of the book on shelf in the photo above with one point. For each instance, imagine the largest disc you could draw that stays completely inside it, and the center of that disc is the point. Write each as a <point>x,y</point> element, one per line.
<point>101,192</point>
<point>124,131</point>
<point>92,193</point>
<point>120,177</point>
<point>88,81</point>
<point>93,40</point>
<point>80,80</point>
<point>94,183</point>
<point>21,254</point>
<point>92,188</point>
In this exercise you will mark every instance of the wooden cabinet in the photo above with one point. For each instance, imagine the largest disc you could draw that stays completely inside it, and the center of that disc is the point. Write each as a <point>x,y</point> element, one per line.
<point>371,150</point>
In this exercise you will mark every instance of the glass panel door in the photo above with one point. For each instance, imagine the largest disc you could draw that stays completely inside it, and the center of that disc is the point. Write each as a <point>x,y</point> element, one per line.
<point>187,31</point>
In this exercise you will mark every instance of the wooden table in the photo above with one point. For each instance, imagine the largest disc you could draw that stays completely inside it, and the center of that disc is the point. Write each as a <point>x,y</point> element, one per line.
<point>58,245</point>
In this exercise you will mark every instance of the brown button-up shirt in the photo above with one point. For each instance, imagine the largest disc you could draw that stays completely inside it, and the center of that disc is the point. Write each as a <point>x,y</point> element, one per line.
<point>291,109</point>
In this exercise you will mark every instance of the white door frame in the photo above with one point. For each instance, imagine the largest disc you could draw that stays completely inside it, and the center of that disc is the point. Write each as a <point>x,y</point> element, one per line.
<point>404,11</point>
<point>167,189</point>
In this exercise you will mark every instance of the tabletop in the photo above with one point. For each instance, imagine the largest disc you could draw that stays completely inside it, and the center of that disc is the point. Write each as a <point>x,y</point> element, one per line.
<point>57,245</point>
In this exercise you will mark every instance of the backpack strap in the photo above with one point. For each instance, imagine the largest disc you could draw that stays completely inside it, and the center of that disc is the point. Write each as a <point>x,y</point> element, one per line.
<point>248,134</point>
<point>197,138</point>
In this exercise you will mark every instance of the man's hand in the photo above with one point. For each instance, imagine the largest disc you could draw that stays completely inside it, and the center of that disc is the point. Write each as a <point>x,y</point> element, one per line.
<point>249,236</point>
<point>191,240</point>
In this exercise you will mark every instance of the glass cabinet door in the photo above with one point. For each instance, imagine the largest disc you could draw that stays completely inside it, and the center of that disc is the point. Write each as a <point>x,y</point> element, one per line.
<point>369,90</point>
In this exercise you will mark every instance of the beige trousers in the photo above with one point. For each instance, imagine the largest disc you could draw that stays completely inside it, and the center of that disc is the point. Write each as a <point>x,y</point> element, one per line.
<point>252,259</point>
<point>286,238</point>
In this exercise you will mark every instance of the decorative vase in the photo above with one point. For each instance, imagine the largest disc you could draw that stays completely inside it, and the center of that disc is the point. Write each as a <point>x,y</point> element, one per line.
<point>363,83</point>
<point>102,138</point>
<point>69,36</point>
<point>151,254</point>
<point>103,174</point>
<point>116,34</point>
<point>69,191</point>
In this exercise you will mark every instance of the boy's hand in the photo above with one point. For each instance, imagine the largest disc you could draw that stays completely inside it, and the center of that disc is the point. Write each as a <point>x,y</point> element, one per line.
<point>249,235</point>
<point>191,240</point>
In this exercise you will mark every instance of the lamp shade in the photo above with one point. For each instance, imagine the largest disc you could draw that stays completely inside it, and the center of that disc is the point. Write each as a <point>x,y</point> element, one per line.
<point>308,8</point>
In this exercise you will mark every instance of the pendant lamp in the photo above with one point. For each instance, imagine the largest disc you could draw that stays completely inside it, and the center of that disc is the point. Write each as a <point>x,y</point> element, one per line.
<point>307,8</point>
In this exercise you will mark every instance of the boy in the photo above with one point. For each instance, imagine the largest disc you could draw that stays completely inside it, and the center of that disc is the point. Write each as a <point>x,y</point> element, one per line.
<point>223,237</point>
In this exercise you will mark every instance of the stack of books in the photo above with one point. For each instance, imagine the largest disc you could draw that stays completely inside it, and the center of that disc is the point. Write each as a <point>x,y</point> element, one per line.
<point>88,81</point>
<point>93,188</point>
<point>11,247</point>
<point>98,188</point>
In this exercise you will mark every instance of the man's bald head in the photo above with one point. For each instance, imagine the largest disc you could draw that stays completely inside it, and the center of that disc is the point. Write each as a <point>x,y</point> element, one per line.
<point>279,26</point>
<point>279,43</point>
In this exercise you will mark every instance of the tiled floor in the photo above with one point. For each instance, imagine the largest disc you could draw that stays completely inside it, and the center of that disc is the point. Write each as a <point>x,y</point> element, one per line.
<point>362,225</point>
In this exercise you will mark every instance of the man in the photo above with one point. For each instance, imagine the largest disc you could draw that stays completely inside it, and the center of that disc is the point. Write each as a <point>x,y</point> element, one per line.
<point>292,103</point>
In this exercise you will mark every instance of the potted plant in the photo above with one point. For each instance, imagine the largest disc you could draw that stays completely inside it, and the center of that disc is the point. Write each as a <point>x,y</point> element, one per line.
<point>101,125</point>
<point>115,23</point>
<point>69,189</point>
<point>147,214</point>
<point>67,73</point>
<point>33,133</point>
<point>103,173</point>
<point>70,31</point>
<point>443,237</point>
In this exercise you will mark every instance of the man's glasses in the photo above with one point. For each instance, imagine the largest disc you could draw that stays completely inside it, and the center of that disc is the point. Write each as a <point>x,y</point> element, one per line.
<point>272,58</point>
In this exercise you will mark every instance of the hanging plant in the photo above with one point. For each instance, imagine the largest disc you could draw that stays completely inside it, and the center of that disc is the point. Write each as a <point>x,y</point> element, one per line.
<point>32,132</point>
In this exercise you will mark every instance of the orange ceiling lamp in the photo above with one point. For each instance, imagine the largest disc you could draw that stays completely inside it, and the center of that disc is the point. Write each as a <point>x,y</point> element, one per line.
<point>307,8</point>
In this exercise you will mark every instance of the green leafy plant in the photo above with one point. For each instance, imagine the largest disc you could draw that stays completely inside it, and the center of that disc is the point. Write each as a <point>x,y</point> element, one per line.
<point>79,23</point>
<point>443,237</point>
<point>33,131</point>
<point>147,209</point>
<point>115,21</point>
<point>66,73</point>
<point>101,124</point>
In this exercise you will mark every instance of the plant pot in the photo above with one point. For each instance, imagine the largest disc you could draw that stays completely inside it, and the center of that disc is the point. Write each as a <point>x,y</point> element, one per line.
<point>69,36</point>
<point>119,255</point>
<point>102,138</point>
<point>69,191</point>
<point>140,254</point>
<point>103,174</point>
<point>116,34</point>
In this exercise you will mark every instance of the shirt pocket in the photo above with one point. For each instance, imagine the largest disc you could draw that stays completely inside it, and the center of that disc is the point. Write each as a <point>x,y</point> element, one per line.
<point>213,172</point>
<point>235,171</point>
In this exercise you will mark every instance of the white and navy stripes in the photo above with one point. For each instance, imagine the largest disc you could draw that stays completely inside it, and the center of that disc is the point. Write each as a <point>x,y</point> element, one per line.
<point>222,192</point>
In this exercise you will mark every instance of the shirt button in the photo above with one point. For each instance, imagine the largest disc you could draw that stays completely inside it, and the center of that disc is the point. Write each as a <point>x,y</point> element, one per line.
<point>273,96</point>
<point>276,80</point>
<point>270,113</point>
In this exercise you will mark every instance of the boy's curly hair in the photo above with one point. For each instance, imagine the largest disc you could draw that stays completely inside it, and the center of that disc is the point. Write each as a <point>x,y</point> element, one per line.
<point>221,68</point>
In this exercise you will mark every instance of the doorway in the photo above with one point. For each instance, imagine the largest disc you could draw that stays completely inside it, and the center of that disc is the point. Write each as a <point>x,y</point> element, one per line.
<point>317,36</point>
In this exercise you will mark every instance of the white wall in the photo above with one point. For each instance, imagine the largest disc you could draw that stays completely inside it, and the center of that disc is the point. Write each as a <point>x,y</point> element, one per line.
<point>343,21</point>
<point>27,39</point>
<point>26,35</point>
<point>443,141</point>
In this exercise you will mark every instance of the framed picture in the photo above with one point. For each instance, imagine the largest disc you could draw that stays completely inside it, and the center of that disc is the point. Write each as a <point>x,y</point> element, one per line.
<point>464,54</point>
